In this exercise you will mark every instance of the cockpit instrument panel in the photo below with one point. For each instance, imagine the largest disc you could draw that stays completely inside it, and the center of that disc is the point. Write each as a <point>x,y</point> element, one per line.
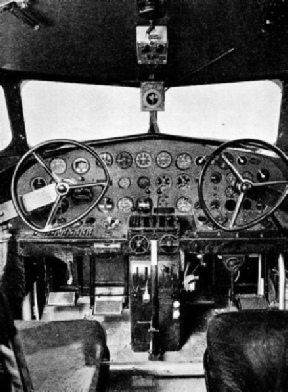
<point>153,179</point>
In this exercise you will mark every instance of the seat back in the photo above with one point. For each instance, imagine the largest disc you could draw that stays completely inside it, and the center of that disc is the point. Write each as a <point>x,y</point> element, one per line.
<point>63,355</point>
<point>247,351</point>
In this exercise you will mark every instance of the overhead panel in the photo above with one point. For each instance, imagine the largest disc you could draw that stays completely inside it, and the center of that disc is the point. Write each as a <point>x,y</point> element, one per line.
<point>94,41</point>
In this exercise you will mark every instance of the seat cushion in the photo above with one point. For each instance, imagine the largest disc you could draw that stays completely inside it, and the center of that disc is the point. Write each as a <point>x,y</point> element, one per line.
<point>63,355</point>
<point>248,351</point>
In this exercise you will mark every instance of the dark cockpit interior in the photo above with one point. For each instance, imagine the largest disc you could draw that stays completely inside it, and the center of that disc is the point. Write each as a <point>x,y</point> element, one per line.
<point>147,235</point>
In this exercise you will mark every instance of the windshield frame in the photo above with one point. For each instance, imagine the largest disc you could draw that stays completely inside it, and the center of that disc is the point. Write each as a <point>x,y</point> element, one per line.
<point>218,111</point>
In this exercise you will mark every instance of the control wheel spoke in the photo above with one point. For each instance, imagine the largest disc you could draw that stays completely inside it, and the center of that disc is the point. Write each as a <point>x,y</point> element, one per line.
<point>46,167</point>
<point>53,213</point>
<point>237,210</point>
<point>269,183</point>
<point>232,168</point>
<point>89,184</point>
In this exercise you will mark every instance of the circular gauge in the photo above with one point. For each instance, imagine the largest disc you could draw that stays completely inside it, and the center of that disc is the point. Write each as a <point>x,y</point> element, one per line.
<point>37,183</point>
<point>106,205</point>
<point>230,178</point>
<point>202,219</point>
<point>183,181</point>
<point>230,191</point>
<point>124,160</point>
<point>80,166</point>
<point>184,161</point>
<point>164,181</point>
<point>125,204</point>
<point>230,205</point>
<point>183,204</point>
<point>139,244</point>
<point>143,159</point>
<point>241,160</point>
<point>124,182</point>
<point>200,160</point>
<point>263,175</point>
<point>143,182</point>
<point>106,158</point>
<point>216,177</point>
<point>215,204</point>
<point>164,159</point>
<point>58,165</point>
<point>169,243</point>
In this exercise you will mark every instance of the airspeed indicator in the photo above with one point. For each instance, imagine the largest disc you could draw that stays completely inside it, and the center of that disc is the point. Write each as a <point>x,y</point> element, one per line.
<point>164,159</point>
<point>183,161</point>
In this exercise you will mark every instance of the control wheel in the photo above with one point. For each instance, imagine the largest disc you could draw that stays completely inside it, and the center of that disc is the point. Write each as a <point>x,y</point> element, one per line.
<point>65,186</point>
<point>268,192</point>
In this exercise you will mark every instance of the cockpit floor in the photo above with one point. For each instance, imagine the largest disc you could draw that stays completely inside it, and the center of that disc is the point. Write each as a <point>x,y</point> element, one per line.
<point>125,382</point>
<point>130,371</point>
<point>187,361</point>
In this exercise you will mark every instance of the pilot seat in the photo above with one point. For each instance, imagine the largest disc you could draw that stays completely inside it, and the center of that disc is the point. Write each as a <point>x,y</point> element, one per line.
<point>247,351</point>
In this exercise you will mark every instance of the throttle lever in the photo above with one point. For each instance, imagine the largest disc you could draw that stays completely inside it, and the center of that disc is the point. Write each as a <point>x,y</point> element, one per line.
<point>18,9</point>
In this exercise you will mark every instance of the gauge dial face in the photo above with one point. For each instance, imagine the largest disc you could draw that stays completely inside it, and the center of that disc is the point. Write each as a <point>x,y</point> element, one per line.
<point>216,177</point>
<point>80,165</point>
<point>143,159</point>
<point>241,160</point>
<point>139,244</point>
<point>164,181</point>
<point>106,158</point>
<point>230,191</point>
<point>106,205</point>
<point>183,204</point>
<point>58,165</point>
<point>37,183</point>
<point>143,182</point>
<point>125,204</point>
<point>184,161</point>
<point>215,204</point>
<point>200,160</point>
<point>124,182</point>
<point>164,159</point>
<point>183,181</point>
<point>263,175</point>
<point>124,160</point>
<point>169,243</point>
<point>230,178</point>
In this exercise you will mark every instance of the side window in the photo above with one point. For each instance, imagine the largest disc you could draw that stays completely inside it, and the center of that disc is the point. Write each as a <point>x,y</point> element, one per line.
<point>5,130</point>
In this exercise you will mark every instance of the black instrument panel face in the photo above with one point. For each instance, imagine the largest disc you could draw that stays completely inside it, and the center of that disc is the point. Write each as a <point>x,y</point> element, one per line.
<point>154,177</point>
